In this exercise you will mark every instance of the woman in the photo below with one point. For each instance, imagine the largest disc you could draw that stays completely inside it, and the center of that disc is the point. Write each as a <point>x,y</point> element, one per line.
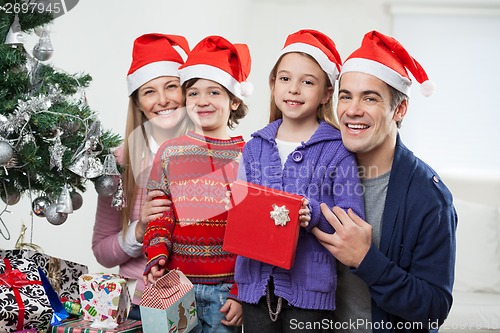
<point>154,116</point>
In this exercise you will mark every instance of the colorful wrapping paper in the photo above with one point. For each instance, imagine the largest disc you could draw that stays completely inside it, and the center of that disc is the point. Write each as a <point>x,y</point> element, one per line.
<point>169,305</point>
<point>104,297</point>
<point>84,326</point>
<point>62,274</point>
<point>23,300</point>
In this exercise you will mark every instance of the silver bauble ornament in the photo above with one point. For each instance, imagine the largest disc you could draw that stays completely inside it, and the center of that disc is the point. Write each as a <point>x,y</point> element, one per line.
<point>77,200</point>
<point>6,152</point>
<point>106,185</point>
<point>43,49</point>
<point>71,126</point>
<point>12,198</point>
<point>15,36</point>
<point>64,203</point>
<point>53,216</point>
<point>39,205</point>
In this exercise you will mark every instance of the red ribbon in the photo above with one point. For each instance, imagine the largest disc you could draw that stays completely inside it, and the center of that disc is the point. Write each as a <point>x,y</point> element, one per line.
<point>15,279</point>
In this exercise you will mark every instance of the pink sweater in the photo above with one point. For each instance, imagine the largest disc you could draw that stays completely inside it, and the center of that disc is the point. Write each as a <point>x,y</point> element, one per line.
<point>111,249</point>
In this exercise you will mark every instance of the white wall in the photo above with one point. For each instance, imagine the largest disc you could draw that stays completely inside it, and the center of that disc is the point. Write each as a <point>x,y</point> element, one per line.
<point>96,38</point>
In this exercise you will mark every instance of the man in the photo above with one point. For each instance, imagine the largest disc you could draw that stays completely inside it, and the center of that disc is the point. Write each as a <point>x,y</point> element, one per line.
<point>397,268</point>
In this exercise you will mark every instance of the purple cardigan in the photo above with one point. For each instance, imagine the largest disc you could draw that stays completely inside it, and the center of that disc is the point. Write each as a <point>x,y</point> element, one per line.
<point>322,170</point>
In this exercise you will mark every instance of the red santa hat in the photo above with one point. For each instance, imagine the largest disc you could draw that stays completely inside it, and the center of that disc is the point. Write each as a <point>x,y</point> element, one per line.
<point>215,58</point>
<point>317,45</point>
<point>385,58</point>
<point>153,56</point>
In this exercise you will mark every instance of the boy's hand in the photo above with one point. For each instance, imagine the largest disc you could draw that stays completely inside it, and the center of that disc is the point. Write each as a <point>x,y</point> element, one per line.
<point>156,272</point>
<point>233,312</point>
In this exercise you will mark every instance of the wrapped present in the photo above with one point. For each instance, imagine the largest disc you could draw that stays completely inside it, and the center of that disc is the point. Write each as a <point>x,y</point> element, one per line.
<point>23,300</point>
<point>169,305</point>
<point>63,274</point>
<point>104,298</point>
<point>84,326</point>
<point>263,224</point>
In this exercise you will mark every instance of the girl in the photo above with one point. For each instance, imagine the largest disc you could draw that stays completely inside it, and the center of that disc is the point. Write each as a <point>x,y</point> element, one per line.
<point>194,171</point>
<point>299,152</point>
<point>154,94</point>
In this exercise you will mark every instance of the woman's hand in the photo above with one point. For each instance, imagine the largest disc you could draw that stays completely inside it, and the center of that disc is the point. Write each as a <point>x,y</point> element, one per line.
<point>153,207</point>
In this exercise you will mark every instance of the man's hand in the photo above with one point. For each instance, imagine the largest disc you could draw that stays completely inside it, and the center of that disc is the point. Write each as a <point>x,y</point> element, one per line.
<point>352,238</point>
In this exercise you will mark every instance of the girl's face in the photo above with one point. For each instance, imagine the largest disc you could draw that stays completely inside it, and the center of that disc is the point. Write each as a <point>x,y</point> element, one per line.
<point>160,100</point>
<point>208,105</point>
<point>299,87</point>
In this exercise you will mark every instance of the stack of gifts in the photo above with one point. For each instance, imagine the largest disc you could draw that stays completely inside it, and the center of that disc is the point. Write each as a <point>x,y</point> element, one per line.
<point>169,305</point>
<point>32,286</point>
<point>84,326</point>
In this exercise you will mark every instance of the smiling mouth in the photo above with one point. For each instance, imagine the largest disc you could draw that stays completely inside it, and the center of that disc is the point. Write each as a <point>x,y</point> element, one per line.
<point>165,112</point>
<point>357,126</point>
<point>293,103</point>
<point>204,113</point>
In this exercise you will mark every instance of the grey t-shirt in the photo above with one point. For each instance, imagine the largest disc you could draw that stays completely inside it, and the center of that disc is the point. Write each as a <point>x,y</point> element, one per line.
<point>353,313</point>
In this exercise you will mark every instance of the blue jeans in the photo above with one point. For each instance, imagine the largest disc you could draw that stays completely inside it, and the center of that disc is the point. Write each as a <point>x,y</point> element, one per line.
<point>209,300</point>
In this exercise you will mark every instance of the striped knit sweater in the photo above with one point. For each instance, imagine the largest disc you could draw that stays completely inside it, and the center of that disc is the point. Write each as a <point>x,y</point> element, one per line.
<point>194,171</point>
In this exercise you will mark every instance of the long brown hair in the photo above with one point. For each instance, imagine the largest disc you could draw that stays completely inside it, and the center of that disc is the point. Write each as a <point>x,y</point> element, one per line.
<point>137,150</point>
<point>324,111</point>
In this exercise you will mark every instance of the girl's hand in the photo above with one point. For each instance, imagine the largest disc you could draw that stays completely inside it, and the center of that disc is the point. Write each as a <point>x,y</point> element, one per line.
<point>304,214</point>
<point>153,207</point>
<point>227,199</point>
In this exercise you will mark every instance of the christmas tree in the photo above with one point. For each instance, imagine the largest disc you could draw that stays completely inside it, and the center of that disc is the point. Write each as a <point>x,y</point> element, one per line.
<point>51,142</point>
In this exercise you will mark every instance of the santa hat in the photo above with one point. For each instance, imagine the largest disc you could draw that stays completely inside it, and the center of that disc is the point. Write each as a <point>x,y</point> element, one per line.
<point>385,58</point>
<point>215,58</point>
<point>153,56</point>
<point>317,45</point>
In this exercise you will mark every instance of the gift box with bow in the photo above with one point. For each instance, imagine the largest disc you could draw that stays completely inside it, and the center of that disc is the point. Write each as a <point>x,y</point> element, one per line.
<point>263,224</point>
<point>23,300</point>
<point>62,274</point>
<point>169,305</point>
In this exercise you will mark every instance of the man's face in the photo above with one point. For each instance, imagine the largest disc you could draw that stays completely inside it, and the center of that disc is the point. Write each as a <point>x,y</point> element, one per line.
<point>367,122</point>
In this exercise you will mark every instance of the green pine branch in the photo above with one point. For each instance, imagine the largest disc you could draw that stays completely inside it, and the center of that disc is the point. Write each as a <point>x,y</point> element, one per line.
<point>39,103</point>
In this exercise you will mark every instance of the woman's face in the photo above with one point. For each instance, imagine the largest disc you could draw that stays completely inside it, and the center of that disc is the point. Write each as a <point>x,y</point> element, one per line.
<point>160,100</point>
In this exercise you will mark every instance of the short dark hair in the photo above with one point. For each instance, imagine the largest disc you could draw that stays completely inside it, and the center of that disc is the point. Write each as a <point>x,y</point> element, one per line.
<point>396,98</point>
<point>234,115</point>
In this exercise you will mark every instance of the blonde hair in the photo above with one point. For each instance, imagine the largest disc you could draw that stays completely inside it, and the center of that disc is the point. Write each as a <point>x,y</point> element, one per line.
<point>324,111</point>
<point>138,145</point>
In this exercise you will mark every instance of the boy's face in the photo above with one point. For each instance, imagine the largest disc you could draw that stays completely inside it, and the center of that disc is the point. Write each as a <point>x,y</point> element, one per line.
<point>208,105</point>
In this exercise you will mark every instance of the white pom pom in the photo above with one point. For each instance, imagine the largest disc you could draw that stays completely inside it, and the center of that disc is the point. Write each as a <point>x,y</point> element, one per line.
<point>427,88</point>
<point>246,89</point>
